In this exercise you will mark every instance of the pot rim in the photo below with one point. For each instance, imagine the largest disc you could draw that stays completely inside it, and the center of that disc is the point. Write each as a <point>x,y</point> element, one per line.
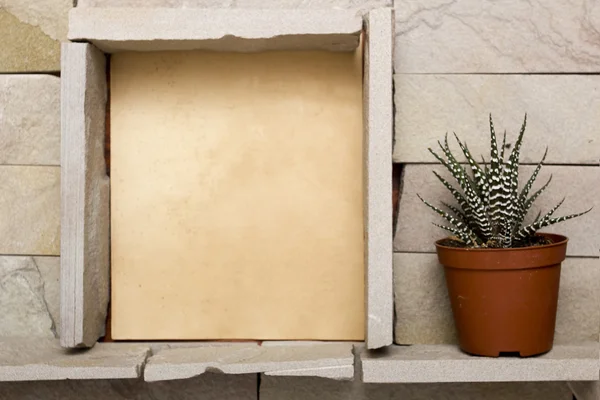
<point>560,240</point>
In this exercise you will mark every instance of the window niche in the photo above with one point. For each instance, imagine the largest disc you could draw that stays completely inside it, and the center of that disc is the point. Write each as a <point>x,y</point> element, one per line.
<point>234,135</point>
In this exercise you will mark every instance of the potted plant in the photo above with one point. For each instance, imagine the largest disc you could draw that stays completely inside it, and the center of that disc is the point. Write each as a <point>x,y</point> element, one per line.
<point>502,275</point>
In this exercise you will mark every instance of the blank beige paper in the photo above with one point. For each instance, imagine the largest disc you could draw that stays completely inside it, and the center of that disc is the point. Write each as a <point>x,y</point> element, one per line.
<point>237,196</point>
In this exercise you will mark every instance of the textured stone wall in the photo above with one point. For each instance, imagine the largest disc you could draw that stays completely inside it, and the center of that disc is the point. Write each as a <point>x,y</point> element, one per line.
<point>454,63</point>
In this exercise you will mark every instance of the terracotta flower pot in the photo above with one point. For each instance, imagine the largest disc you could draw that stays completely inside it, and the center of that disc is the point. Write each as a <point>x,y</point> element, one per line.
<point>504,300</point>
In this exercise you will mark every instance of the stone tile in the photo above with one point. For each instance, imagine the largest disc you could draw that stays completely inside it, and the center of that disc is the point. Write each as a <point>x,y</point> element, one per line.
<point>29,298</point>
<point>127,29</point>
<point>424,316</point>
<point>428,106</point>
<point>361,5</point>
<point>415,232</point>
<point>29,119</point>
<point>328,360</point>
<point>44,359</point>
<point>491,36</point>
<point>206,387</point>
<point>446,363</point>
<point>285,388</point>
<point>30,210</point>
<point>31,32</point>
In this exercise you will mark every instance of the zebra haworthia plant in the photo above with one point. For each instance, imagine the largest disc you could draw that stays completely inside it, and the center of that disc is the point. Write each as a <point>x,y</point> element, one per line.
<point>491,210</point>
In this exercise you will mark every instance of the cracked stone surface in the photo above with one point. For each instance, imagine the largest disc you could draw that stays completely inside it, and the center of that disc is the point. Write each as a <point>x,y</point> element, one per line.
<point>29,210</point>
<point>29,120</point>
<point>328,360</point>
<point>206,387</point>
<point>29,296</point>
<point>446,36</point>
<point>44,359</point>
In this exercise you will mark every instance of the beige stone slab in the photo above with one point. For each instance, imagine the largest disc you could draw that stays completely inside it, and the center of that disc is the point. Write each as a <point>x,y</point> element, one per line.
<point>469,36</point>
<point>158,29</point>
<point>29,210</point>
<point>51,16</point>
<point>361,5</point>
<point>379,124</point>
<point>206,387</point>
<point>326,360</point>
<point>39,359</point>
<point>29,120</point>
<point>29,296</point>
<point>84,197</point>
<point>237,196</point>
<point>26,48</point>
<point>285,388</point>
<point>415,232</point>
<point>428,106</point>
<point>446,363</point>
<point>424,316</point>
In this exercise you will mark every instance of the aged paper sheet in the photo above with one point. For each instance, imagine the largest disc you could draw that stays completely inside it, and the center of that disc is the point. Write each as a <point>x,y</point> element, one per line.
<point>237,196</point>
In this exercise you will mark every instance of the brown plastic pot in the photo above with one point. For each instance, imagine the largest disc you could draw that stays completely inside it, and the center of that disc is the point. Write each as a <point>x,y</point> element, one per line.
<point>504,300</point>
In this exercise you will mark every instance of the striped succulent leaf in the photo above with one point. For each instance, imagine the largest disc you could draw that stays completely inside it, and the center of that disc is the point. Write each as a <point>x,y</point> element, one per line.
<point>491,209</point>
<point>522,210</point>
<point>530,229</point>
<point>461,229</point>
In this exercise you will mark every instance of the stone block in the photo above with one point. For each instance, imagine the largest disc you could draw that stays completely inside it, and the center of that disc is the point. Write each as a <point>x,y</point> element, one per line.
<point>439,36</point>
<point>29,120</point>
<point>585,390</point>
<point>360,5</point>
<point>146,29</point>
<point>378,185</point>
<point>424,316</point>
<point>428,106</point>
<point>328,360</point>
<point>285,388</point>
<point>446,363</point>
<point>44,359</point>
<point>29,296</point>
<point>205,387</point>
<point>84,198</point>
<point>415,232</point>
<point>29,210</point>
<point>31,32</point>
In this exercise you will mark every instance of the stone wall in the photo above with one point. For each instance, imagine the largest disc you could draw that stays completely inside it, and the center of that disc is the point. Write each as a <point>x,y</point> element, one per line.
<point>454,63</point>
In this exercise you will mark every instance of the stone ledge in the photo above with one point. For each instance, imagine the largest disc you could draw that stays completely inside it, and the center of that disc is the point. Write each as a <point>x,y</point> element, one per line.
<point>446,363</point>
<point>145,29</point>
<point>40,359</point>
<point>325,360</point>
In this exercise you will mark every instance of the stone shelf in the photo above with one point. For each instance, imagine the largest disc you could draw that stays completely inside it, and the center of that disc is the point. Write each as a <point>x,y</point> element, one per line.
<point>316,359</point>
<point>44,359</point>
<point>446,363</point>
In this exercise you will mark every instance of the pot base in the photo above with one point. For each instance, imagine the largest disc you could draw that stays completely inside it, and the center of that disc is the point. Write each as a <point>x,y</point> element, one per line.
<point>492,353</point>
